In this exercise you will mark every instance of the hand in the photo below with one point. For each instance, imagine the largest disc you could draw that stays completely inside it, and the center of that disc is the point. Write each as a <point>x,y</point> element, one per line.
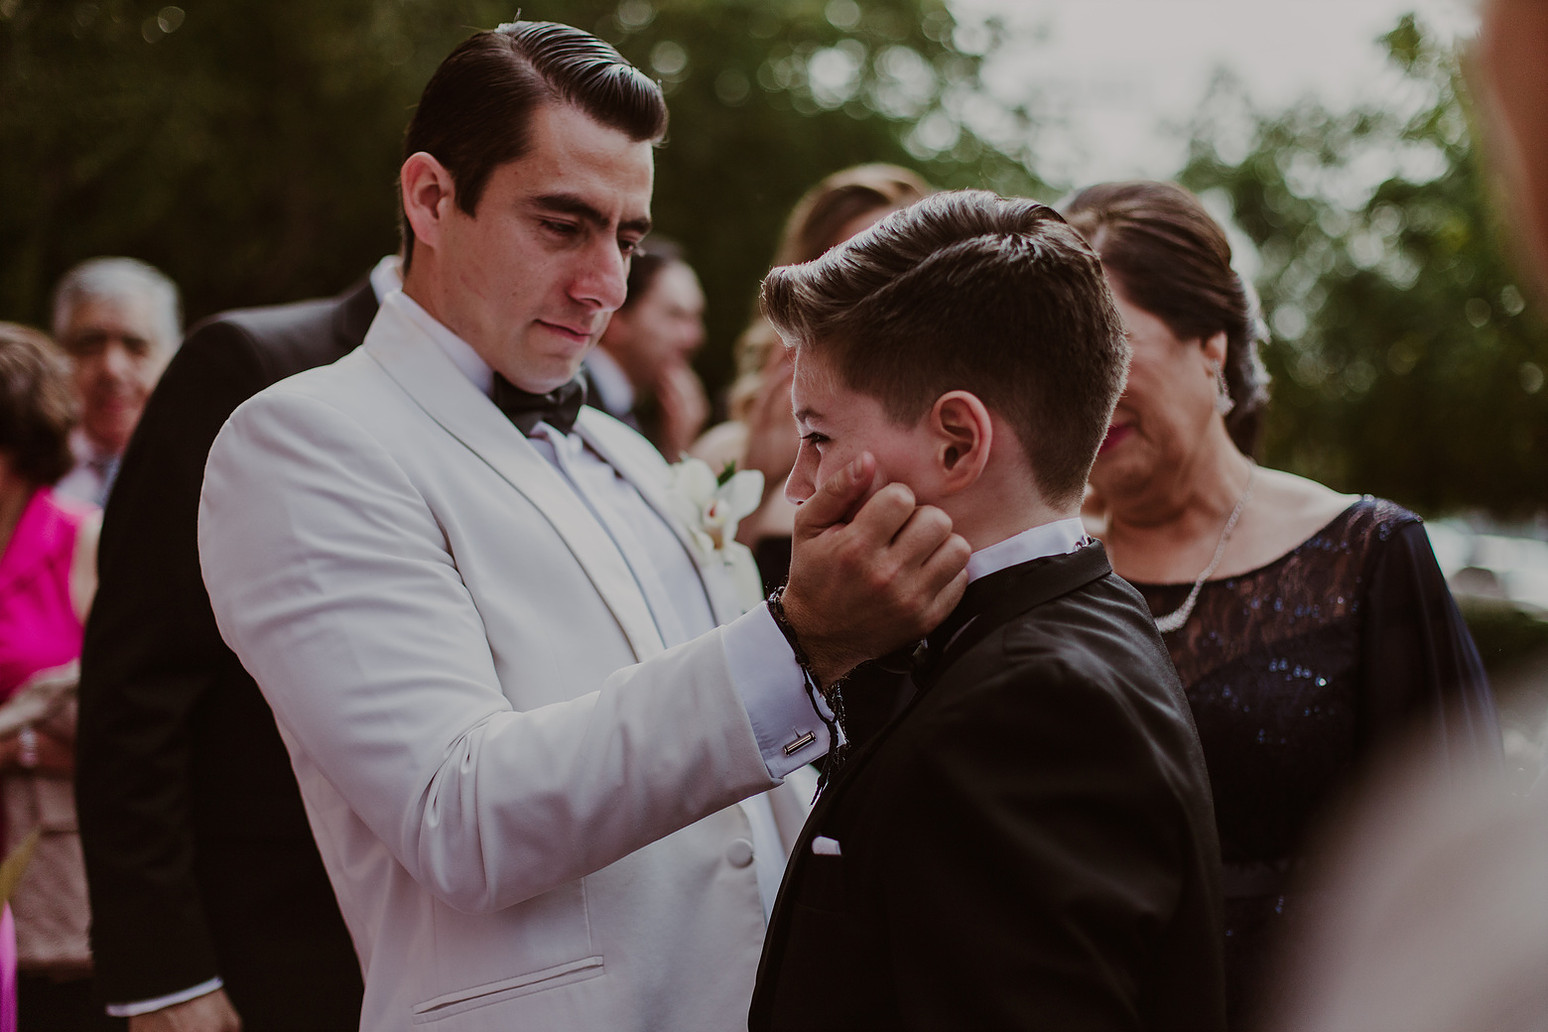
<point>55,755</point>
<point>863,585</point>
<point>772,436</point>
<point>211,1012</point>
<point>684,408</point>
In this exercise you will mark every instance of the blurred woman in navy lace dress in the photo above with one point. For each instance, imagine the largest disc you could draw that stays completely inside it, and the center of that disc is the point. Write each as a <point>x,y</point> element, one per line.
<point>1310,628</point>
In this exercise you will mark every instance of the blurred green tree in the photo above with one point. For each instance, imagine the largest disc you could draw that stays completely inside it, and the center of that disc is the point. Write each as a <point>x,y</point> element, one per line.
<point>1407,361</point>
<point>246,148</point>
<point>249,147</point>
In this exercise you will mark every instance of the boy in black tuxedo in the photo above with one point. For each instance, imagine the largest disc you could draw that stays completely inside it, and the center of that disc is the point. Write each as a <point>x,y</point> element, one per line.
<point>1030,843</point>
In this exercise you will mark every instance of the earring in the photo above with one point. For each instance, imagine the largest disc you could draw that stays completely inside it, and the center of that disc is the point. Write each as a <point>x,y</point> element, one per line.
<point>1224,403</point>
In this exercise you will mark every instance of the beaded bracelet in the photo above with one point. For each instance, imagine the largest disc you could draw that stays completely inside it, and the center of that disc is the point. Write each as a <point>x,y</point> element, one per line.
<point>832,695</point>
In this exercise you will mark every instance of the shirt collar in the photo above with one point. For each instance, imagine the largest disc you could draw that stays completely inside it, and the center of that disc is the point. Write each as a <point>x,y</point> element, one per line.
<point>387,277</point>
<point>458,350</point>
<point>84,450</point>
<point>1056,538</point>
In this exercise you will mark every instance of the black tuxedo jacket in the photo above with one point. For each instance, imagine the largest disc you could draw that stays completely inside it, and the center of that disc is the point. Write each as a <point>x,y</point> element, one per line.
<point>198,853</point>
<point>1029,845</point>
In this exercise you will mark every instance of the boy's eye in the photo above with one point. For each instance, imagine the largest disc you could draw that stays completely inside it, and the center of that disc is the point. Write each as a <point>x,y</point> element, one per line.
<point>814,438</point>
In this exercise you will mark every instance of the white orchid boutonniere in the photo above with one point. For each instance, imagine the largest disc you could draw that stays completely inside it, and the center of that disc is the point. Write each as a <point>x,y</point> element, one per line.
<point>711,507</point>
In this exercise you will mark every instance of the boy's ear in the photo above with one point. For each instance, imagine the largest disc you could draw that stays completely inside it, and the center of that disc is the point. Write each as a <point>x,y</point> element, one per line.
<point>1214,347</point>
<point>964,435</point>
<point>428,196</point>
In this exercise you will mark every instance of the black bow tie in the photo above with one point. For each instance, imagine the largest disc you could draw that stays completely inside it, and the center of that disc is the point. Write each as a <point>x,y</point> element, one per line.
<point>558,408</point>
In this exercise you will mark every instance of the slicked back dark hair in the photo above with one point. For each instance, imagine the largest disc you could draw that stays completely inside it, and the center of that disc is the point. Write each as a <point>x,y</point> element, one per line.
<point>966,290</point>
<point>37,406</point>
<point>1171,258</point>
<point>476,111</point>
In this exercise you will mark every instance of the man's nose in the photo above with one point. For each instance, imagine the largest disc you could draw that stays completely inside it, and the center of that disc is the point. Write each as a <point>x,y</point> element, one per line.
<point>115,361</point>
<point>602,280</point>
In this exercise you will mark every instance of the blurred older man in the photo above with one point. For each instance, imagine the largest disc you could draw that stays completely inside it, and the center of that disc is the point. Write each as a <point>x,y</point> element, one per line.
<point>119,320</point>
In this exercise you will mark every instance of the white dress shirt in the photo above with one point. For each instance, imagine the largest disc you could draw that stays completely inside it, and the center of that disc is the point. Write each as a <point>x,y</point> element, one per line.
<point>611,389</point>
<point>92,476</point>
<point>1056,538</point>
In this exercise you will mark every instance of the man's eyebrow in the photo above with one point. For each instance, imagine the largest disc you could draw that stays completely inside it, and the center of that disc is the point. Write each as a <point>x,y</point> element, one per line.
<point>569,204</point>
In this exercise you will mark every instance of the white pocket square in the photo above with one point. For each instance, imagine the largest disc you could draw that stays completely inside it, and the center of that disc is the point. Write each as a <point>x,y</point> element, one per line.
<point>822,845</point>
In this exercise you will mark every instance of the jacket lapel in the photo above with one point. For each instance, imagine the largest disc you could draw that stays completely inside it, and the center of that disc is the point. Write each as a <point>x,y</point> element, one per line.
<point>991,601</point>
<point>424,372</point>
<point>639,462</point>
<point>988,603</point>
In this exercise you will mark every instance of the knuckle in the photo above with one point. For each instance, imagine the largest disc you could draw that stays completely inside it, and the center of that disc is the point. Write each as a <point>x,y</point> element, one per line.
<point>936,522</point>
<point>897,495</point>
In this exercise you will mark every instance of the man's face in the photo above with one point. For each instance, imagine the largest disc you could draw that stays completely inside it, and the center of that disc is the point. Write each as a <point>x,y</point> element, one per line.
<point>530,279</point>
<point>837,424</point>
<point>662,329</point>
<point>117,355</point>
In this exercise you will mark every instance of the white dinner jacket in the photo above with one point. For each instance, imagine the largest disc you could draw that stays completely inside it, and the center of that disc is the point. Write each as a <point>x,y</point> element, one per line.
<point>523,803</point>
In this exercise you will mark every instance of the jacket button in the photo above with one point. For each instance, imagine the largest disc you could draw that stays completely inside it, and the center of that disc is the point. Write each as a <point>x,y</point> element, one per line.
<point>739,852</point>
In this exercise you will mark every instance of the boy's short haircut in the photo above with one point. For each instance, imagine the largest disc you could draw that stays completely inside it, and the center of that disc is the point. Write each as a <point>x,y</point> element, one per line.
<point>966,290</point>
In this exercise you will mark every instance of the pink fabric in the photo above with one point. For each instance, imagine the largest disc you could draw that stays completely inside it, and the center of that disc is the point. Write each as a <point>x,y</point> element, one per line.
<point>38,630</point>
<point>38,625</point>
<point>7,972</point>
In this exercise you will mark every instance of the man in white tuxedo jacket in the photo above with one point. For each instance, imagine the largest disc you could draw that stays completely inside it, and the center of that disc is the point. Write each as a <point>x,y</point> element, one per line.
<point>492,655</point>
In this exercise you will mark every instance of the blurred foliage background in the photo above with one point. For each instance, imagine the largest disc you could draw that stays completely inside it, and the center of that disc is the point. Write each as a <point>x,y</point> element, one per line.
<point>249,148</point>
<point>1407,359</point>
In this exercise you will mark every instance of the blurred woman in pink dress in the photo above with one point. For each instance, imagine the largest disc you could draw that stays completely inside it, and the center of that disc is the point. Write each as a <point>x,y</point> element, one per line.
<point>47,578</point>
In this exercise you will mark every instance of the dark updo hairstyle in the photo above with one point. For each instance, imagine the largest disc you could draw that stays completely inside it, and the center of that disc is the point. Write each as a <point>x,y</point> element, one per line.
<point>1168,256</point>
<point>37,407</point>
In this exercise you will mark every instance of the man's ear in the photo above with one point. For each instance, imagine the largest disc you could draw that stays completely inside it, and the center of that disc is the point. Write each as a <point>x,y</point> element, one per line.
<point>964,434</point>
<point>428,196</point>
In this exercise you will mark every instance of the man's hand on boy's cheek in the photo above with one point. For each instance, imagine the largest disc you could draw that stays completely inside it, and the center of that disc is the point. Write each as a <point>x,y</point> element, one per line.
<point>870,570</point>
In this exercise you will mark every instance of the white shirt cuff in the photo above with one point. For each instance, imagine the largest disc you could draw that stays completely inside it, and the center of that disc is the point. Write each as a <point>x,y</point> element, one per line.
<point>129,1010</point>
<point>773,688</point>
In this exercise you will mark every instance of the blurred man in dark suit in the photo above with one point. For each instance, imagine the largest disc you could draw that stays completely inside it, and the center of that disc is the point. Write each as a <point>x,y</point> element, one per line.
<point>209,899</point>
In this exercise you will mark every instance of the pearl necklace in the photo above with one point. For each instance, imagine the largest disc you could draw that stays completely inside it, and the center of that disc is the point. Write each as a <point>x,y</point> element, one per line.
<point>1174,620</point>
